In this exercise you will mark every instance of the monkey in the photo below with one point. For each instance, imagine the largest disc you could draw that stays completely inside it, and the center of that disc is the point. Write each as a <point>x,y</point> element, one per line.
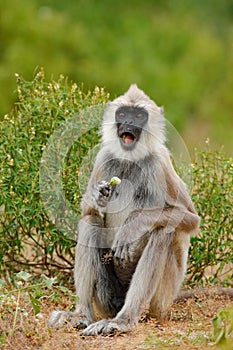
<point>133,238</point>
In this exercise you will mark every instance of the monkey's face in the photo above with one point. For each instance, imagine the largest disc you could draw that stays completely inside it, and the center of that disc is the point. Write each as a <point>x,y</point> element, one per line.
<point>133,126</point>
<point>130,122</point>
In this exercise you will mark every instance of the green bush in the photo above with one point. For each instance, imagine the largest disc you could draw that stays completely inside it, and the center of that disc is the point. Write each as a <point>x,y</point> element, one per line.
<point>38,171</point>
<point>211,252</point>
<point>27,235</point>
<point>223,328</point>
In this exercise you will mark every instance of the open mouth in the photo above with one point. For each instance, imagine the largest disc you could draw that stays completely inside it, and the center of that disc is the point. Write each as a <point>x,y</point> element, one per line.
<point>128,138</point>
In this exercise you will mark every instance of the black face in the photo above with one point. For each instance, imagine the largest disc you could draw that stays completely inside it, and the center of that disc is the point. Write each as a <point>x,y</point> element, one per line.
<point>130,122</point>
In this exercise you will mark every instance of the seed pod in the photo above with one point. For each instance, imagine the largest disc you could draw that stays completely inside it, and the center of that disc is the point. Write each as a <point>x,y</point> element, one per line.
<point>114,181</point>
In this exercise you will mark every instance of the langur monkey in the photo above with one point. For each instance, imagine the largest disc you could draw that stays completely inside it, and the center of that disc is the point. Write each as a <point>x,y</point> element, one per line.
<point>133,238</point>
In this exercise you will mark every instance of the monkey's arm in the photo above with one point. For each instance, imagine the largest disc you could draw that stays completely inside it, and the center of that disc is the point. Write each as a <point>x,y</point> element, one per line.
<point>177,215</point>
<point>98,193</point>
<point>141,223</point>
<point>179,211</point>
<point>176,190</point>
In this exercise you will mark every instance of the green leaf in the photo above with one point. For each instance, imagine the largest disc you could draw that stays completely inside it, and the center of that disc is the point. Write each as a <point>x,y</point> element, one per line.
<point>23,275</point>
<point>36,304</point>
<point>66,291</point>
<point>2,283</point>
<point>49,282</point>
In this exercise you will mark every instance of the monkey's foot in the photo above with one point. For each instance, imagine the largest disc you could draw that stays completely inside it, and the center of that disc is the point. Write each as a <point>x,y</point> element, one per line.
<point>106,327</point>
<point>59,319</point>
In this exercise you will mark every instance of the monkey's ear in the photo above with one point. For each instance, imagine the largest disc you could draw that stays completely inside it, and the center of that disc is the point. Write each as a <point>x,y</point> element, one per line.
<point>133,86</point>
<point>161,110</point>
<point>108,104</point>
<point>135,95</point>
<point>132,89</point>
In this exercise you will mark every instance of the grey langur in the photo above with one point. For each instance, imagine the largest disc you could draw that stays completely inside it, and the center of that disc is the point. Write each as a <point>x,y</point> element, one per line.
<point>133,238</point>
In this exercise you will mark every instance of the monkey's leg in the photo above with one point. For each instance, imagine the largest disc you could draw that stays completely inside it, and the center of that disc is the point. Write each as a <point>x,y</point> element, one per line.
<point>93,279</point>
<point>173,276</point>
<point>145,281</point>
<point>85,273</point>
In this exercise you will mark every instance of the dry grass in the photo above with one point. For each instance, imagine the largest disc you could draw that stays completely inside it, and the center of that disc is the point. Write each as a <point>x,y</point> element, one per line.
<point>189,327</point>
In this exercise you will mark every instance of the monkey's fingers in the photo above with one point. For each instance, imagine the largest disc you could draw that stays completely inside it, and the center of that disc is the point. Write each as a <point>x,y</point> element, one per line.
<point>106,191</point>
<point>101,193</point>
<point>104,188</point>
<point>121,255</point>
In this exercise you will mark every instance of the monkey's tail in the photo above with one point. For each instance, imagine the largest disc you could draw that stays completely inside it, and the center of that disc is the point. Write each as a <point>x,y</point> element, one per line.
<point>197,293</point>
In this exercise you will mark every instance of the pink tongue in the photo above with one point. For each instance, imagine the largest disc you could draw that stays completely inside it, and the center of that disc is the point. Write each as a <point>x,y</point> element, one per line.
<point>128,139</point>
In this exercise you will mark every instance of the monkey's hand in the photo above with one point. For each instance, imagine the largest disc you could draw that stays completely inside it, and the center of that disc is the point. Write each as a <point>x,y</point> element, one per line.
<point>101,194</point>
<point>128,252</point>
<point>129,243</point>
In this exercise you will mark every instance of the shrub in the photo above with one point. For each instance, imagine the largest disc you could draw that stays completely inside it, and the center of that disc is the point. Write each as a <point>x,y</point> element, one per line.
<point>27,235</point>
<point>38,171</point>
<point>223,328</point>
<point>211,251</point>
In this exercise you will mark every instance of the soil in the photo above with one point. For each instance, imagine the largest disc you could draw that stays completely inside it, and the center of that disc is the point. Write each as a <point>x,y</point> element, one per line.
<point>189,326</point>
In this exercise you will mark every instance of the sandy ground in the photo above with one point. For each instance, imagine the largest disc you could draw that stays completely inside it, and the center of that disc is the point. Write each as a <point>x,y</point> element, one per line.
<point>189,327</point>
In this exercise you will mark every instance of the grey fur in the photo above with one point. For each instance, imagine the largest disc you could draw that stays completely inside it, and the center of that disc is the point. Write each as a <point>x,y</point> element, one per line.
<point>133,238</point>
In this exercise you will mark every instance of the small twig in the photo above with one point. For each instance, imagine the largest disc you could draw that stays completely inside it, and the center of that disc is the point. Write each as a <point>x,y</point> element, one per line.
<point>16,314</point>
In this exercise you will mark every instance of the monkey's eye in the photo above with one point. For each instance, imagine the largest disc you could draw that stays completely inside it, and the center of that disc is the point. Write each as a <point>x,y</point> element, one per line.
<point>140,116</point>
<point>121,115</point>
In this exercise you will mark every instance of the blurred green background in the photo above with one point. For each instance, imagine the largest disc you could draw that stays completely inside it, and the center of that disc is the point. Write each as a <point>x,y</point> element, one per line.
<point>179,52</point>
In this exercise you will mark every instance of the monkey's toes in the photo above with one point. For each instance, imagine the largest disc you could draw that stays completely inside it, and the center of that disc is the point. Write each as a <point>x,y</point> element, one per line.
<point>106,327</point>
<point>116,327</point>
<point>94,328</point>
<point>59,319</point>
